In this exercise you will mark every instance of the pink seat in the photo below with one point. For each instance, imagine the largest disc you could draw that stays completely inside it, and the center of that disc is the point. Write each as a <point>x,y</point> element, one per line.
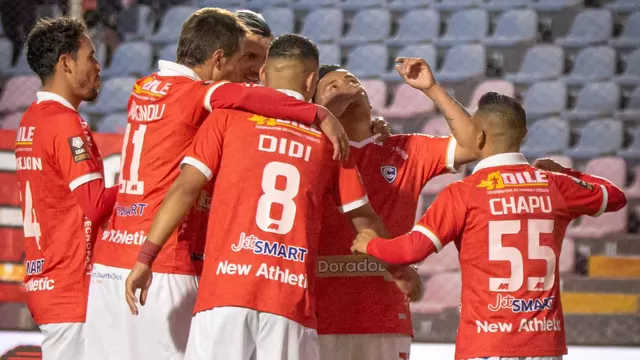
<point>445,260</point>
<point>435,185</point>
<point>633,191</point>
<point>407,103</point>
<point>567,256</point>
<point>614,169</point>
<point>442,291</point>
<point>436,126</point>
<point>19,93</point>
<point>377,92</point>
<point>11,121</point>
<point>499,86</point>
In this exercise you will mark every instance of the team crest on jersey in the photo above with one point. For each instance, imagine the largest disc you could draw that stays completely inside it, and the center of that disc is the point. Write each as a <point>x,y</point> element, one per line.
<point>389,173</point>
<point>582,183</point>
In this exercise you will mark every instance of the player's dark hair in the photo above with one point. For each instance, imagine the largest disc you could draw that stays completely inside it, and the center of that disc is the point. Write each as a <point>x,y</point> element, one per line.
<point>255,23</point>
<point>293,46</point>
<point>327,68</point>
<point>206,31</point>
<point>504,106</point>
<point>48,40</point>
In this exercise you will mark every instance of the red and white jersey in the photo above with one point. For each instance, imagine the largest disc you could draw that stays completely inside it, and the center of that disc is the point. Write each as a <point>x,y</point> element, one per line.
<point>55,154</point>
<point>274,182</point>
<point>394,174</point>
<point>165,111</point>
<point>508,222</point>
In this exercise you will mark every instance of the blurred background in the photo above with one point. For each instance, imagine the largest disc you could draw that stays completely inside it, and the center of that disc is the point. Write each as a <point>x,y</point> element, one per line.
<point>575,65</point>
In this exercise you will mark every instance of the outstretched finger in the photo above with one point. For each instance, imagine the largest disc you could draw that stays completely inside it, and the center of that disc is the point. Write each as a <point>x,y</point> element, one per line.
<point>143,296</point>
<point>131,299</point>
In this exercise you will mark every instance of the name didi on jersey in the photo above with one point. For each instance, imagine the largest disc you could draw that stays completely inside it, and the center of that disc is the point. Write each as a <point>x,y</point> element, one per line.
<point>288,147</point>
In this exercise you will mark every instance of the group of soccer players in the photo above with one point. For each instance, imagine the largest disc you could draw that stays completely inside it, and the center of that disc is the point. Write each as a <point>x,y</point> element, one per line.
<point>237,206</point>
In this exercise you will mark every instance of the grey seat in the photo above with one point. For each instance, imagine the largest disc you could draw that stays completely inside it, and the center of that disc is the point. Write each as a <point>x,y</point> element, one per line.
<point>6,50</point>
<point>171,25</point>
<point>514,27</point>
<point>329,54</point>
<point>632,152</point>
<point>312,4</point>
<point>556,5</point>
<point>545,98</point>
<point>323,25</point>
<point>598,137</point>
<point>463,62</point>
<point>631,74</point>
<point>541,62</point>
<point>592,64</point>
<point>449,5</point>
<point>369,25</point>
<point>359,4</point>
<point>416,26</point>
<point>590,27</point>
<point>404,5</point>
<point>113,123</point>
<point>630,36</point>
<point>624,6</point>
<point>632,111</point>
<point>137,22</point>
<point>426,52</point>
<point>169,53</point>
<point>130,59</point>
<point>546,136</point>
<point>465,26</point>
<point>595,100</point>
<point>113,97</point>
<point>281,20</point>
<point>503,5</point>
<point>368,61</point>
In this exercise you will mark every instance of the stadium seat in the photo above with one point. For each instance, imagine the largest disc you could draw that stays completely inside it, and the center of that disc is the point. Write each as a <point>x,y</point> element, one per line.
<point>503,5</point>
<point>260,4</point>
<point>359,4</point>
<point>281,20</point>
<point>408,4</point>
<point>631,75</point>
<point>590,27</point>
<point>541,62</point>
<point>452,5</point>
<point>113,97</point>
<point>367,61</point>
<point>592,64</point>
<point>416,26</point>
<point>442,291</point>
<point>465,26</point>
<point>377,93</point>
<point>171,25</point>
<point>633,191</point>
<point>598,137</point>
<point>6,49</point>
<point>545,99</point>
<point>567,261</point>
<point>368,25</point>
<point>595,100</point>
<point>169,53</point>
<point>329,54</point>
<point>130,59</point>
<point>323,25</point>
<point>21,67</point>
<point>113,123</point>
<point>312,4</point>
<point>615,170</point>
<point>555,5</point>
<point>11,121</point>
<point>140,20</point>
<point>546,136</point>
<point>19,92</point>
<point>499,86</point>
<point>632,111</point>
<point>443,261</point>
<point>426,52</point>
<point>407,103</point>
<point>624,6</point>
<point>632,152</point>
<point>463,62</point>
<point>514,27</point>
<point>227,4</point>
<point>438,183</point>
<point>436,126</point>
<point>630,36</point>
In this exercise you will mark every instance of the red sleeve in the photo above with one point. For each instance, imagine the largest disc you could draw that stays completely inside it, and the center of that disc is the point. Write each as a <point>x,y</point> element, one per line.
<point>434,155</point>
<point>442,223</point>
<point>351,193</point>
<point>72,147</point>
<point>205,152</point>
<point>588,195</point>
<point>259,100</point>
<point>95,200</point>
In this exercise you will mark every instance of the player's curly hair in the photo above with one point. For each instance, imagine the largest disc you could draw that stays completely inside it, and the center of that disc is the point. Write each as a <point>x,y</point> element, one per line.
<point>51,38</point>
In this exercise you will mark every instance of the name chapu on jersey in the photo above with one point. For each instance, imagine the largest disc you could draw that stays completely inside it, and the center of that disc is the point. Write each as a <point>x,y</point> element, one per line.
<point>518,192</point>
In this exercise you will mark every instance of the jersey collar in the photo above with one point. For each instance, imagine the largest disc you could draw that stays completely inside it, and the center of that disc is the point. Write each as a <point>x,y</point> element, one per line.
<point>295,94</point>
<point>49,96</point>
<point>365,142</point>
<point>501,160</point>
<point>170,68</point>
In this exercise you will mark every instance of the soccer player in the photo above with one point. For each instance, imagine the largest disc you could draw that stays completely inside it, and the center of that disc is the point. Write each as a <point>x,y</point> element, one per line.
<point>508,221</point>
<point>274,179</point>
<point>61,181</point>
<point>394,174</point>
<point>165,111</point>
<point>256,45</point>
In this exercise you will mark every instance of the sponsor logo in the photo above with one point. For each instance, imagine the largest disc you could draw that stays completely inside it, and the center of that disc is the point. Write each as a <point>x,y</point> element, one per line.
<point>105,275</point>
<point>266,122</point>
<point>24,135</point>
<point>350,265</point>
<point>152,87</point>
<point>485,326</point>
<point>136,209</point>
<point>78,149</point>
<point>34,267</point>
<point>532,325</point>
<point>389,173</point>
<point>42,284</point>
<point>275,249</point>
<point>274,273</point>
<point>521,305</point>
<point>127,238</point>
<point>582,183</point>
<point>499,180</point>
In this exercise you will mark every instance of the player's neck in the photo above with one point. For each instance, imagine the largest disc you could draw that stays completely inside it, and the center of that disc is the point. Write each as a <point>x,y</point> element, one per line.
<point>499,150</point>
<point>356,121</point>
<point>64,91</point>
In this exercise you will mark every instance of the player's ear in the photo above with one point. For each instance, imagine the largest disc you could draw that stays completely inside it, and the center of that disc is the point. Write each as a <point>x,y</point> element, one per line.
<point>481,140</point>
<point>311,82</point>
<point>263,75</point>
<point>218,59</point>
<point>64,63</point>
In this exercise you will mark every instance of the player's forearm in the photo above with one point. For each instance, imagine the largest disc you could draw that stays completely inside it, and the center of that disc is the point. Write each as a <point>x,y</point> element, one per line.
<point>405,249</point>
<point>174,208</point>
<point>616,199</point>
<point>96,201</point>
<point>458,119</point>
<point>264,101</point>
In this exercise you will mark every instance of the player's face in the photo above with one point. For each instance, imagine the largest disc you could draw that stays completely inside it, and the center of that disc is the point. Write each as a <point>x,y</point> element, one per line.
<point>255,53</point>
<point>85,71</point>
<point>228,66</point>
<point>340,82</point>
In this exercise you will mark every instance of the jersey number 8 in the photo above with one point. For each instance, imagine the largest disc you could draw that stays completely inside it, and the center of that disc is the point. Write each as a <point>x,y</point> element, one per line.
<point>271,196</point>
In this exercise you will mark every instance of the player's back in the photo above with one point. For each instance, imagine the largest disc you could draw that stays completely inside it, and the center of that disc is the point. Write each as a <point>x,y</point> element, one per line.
<point>55,153</point>
<point>273,184</point>
<point>164,113</point>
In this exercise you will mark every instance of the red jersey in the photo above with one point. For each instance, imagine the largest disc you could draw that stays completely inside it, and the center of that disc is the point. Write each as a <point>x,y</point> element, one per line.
<point>508,221</point>
<point>394,173</point>
<point>165,112</point>
<point>274,181</point>
<point>55,154</point>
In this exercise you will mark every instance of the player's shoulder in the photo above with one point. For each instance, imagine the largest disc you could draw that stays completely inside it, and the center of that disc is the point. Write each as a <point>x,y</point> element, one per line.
<point>51,114</point>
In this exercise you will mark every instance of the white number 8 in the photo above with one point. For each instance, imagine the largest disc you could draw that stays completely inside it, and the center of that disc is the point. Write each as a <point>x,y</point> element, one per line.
<point>272,195</point>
